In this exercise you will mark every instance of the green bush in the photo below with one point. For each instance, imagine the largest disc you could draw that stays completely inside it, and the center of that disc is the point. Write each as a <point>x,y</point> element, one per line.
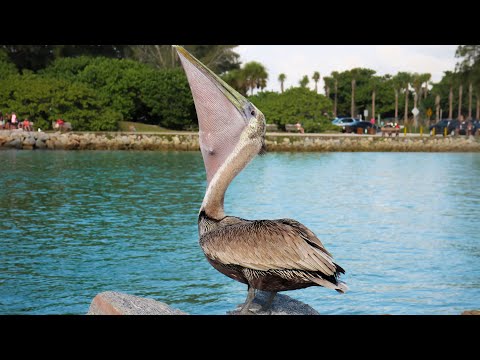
<point>43,100</point>
<point>7,69</point>
<point>167,94</point>
<point>135,90</point>
<point>296,105</point>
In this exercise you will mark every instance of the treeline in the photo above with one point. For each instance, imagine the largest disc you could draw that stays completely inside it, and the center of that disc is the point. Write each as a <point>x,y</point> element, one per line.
<point>353,91</point>
<point>94,87</point>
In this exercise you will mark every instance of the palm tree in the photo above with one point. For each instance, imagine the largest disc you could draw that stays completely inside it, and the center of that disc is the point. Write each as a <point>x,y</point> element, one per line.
<point>282,78</point>
<point>327,80</point>
<point>417,82</point>
<point>478,105</point>
<point>470,91</point>
<point>316,78</point>
<point>449,79</point>
<point>374,82</point>
<point>404,79</point>
<point>335,75</point>
<point>437,108</point>
<point>397,83</point>
<point>256,75</point>
<point>304,82</point>
<point>426,80</point>
<point>450,102</point>
<point>460,93</point>
<point>236,79</point>
<point>353,75</point>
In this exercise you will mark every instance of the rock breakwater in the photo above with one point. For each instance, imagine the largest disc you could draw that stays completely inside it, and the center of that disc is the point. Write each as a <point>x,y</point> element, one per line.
<point>275,142</point>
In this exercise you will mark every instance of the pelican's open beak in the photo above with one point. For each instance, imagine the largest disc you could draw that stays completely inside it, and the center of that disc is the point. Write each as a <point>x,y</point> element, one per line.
<point>237,99</point>
<point>223,113</point>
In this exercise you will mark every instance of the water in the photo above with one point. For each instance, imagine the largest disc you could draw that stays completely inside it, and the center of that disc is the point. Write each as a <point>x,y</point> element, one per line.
<point>405,226</point>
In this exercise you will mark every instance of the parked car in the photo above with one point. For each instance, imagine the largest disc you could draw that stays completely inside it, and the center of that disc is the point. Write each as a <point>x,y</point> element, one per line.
<point>364,125</point>
<point>344,121</point>
<point>450,124</point>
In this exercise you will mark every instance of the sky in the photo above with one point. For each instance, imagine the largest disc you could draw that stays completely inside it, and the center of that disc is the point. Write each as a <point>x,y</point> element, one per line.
<point>295,61</point>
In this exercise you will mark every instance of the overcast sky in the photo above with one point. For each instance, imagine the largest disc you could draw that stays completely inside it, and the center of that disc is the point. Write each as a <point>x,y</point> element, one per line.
<point>298,60</point>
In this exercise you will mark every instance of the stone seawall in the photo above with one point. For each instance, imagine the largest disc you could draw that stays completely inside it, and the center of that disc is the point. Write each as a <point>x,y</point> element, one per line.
<point>274,141</point>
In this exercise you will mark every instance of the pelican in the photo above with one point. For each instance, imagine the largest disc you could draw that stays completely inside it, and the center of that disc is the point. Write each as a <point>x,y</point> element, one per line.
<point>269,255</point>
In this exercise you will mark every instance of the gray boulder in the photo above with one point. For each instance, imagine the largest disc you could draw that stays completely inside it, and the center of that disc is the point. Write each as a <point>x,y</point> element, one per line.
<point>282,305</point>
<point>115,303</point>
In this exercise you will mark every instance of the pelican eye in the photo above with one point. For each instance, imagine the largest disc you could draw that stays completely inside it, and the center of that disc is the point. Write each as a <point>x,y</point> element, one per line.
<point>253,113</point>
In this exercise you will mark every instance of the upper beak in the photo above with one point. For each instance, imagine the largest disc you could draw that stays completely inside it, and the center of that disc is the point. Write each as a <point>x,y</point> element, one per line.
<point>237,99</point>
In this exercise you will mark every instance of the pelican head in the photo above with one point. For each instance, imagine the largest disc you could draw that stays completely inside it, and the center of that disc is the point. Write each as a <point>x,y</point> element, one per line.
<point>232,129</point>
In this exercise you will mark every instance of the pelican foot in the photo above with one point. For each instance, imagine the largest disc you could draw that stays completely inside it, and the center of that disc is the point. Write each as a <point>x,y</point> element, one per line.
<point>246,312</point>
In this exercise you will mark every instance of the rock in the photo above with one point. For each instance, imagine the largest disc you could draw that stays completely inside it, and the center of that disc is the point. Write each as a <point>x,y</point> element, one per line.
<point>115,303</point>
<point>15,143</point>
<point>281,142</point>
<point>39,144</point>
<point>471,312</point>
<point>28,143</point>
<point>282,305</point>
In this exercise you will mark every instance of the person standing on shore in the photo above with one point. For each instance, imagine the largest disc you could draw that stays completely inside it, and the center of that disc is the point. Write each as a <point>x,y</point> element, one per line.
<point>14,120</point>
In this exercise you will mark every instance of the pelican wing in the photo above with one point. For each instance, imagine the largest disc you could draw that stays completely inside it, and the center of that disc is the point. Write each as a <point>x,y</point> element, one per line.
<point>269,245</point>
<point>219,110</point>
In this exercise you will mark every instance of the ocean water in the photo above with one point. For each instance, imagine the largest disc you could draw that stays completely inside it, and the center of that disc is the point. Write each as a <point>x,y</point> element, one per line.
<point>405,226</point>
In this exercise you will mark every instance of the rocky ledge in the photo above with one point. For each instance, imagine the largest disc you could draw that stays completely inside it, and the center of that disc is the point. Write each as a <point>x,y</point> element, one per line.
<point>275,142</point>
<point>115,303</point>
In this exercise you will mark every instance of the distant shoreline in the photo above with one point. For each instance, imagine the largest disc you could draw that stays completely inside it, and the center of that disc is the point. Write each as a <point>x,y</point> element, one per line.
<point>188,141</point>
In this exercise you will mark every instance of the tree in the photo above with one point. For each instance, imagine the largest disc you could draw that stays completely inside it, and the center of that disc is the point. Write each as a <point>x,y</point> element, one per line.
<point>252,75</point>
<point>445,88</point>
<point>282,78</point>
<point>168,99</point>
<point>158,56</point>
<point>304,81</point>
<point>427,81</point>
<point>43,99</point>
<point>342,88</point>
<point>417,87</point>
<point>219,58</point>
<point>36,57</point>
<point>460,93</point>
<point>353,74</point>
<point>316,78</point>
<point>7,68</point>
<point>327,85</point>
<point>132,89</point>
<point>298,104</point>
<point>255,75</point>
<point>450,79</point>
<point>236,79</point>
<point>397,84</point>
<point>335,75</point>
<point>469,69</point>
<point>470,94</point>
<point>374,83</point>
<point>417,82</point>
<point>404,79</point>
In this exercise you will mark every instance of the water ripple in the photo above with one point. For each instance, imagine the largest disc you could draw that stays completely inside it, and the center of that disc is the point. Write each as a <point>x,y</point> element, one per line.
<point>404,226</point>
